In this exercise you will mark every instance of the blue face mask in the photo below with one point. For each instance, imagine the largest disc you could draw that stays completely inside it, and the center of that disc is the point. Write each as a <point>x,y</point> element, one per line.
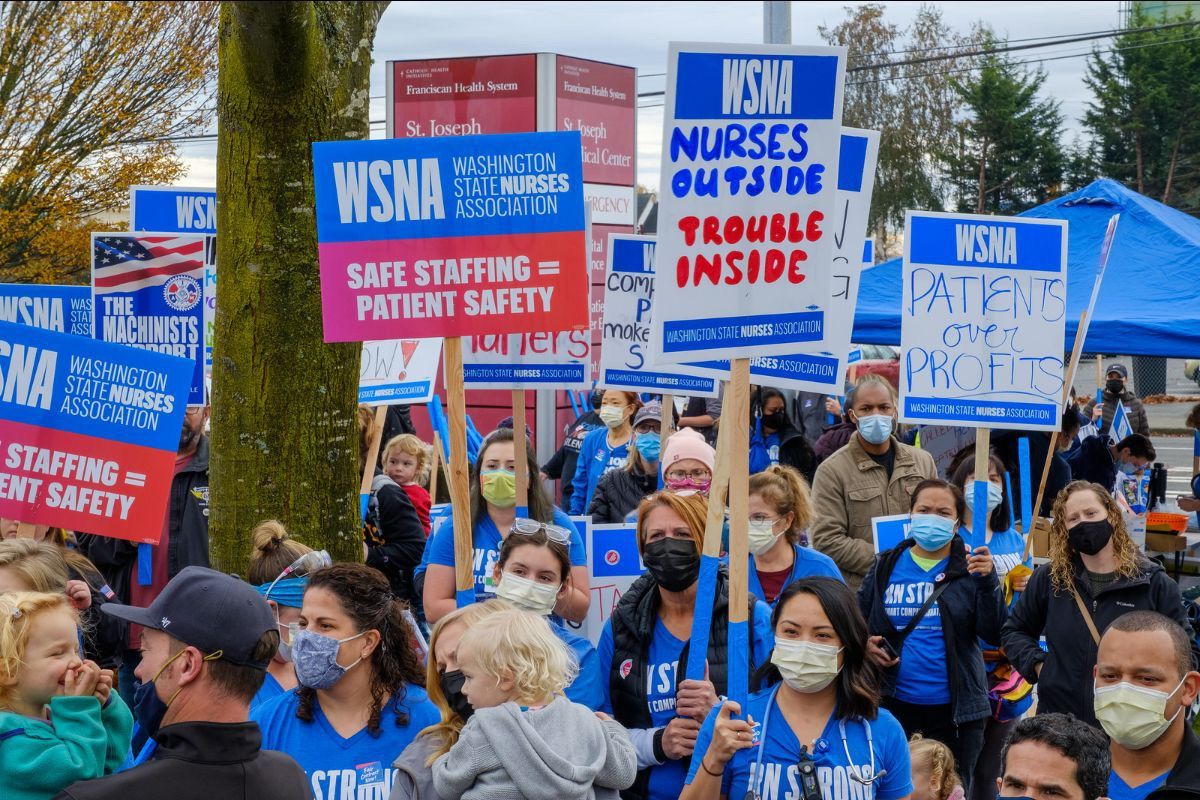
<point>930,531</point>
<point>994,496</point>
<point>315,658</point>
<point>148,709</point>
<point>649,445</point>
<point>875,429</point>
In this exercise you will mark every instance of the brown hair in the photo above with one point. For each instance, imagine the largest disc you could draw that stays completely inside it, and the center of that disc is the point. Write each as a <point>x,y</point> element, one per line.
<point>692,509</point>
<point>274,551</point>
<point>239,681</point>
<point>539,539</point>
<point>540,507</point>
<point>938,759</point>
<point>787,492</point>
<point>1125,552</point>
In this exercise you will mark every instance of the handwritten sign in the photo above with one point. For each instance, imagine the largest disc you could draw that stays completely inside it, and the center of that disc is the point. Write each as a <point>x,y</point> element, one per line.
<point>398,371</point>
<point>65,309</point>
<point>613,566</point>
<point>90,431</point>
<point>983,320</point>
<point>455,236</point>
<point>749,173</point>
<point>544,360</point>
<point>628,299</point>
<point>148,291</point>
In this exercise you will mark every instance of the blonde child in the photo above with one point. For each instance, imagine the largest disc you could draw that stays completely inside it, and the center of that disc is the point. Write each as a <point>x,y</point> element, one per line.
<point>525,739</point>
<point>934,776</point>
<point>404,458</point>
<point>60,721</point>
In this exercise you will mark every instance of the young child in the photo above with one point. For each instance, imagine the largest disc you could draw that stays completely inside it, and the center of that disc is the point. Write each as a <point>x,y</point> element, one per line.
<point>404,458</point>
<point>85,733</point>
<point>933,770</point>
<point>525,738</point>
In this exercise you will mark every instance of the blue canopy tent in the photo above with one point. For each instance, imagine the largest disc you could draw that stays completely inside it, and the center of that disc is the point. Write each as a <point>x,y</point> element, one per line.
<point>1149,302</point>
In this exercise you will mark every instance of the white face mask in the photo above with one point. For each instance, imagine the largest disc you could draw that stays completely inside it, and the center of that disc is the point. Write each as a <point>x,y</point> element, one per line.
<point>1134,716</point>
<point>762,536</point>
<point>805,666</point>
<point>612,416</point>
<point>538,598</point>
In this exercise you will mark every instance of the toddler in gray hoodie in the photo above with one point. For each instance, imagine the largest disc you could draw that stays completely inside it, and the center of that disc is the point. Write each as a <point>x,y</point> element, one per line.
<point>526,740</point>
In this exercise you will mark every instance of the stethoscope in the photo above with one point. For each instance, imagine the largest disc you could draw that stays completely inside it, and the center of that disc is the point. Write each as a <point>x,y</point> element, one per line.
<point>855,771</point>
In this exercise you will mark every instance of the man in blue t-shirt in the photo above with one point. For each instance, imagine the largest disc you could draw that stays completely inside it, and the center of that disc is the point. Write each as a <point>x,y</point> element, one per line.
<point>1054,757</point>
<point>1145,683</point>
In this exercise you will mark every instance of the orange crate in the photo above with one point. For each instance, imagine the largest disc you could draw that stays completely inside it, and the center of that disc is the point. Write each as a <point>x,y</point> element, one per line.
<point>1162,522</point>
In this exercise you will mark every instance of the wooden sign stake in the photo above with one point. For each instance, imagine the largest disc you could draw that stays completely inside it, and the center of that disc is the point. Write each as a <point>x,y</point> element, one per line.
<point>364,488</point>
<point>738,454</point>
<point>519,444</point>
<point>460,496</point>
<point>983,444</point>
<point>26,530</point>
<point>665,422</point>
<point>435,466</point>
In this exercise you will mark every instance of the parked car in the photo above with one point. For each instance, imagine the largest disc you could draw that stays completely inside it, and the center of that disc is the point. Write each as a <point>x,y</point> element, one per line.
<point>880,359</point>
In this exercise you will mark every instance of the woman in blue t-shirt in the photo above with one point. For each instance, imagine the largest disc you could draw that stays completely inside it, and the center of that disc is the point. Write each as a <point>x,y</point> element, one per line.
<point>274,553</point>
<point>360,700</point>
<point>1007,547</point>
<point>927,602</point>
<point>493,516</point>
<point>820,707</point>
<point>604,449</point>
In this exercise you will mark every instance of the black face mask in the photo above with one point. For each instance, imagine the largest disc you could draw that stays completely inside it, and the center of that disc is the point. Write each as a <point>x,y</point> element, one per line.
<point>674,563</point>
<point>776,421</point>
<point>452,683</point>
<point>1115,386</point>
<point>1089,538</point>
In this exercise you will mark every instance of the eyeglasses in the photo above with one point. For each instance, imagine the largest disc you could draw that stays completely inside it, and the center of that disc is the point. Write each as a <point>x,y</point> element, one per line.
<point>531,527</point>
<point>696,474</point>
<point>761,519</point>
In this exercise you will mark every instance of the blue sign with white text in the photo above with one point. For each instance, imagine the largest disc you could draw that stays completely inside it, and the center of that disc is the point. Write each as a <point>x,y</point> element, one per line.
<point>171,209</point>
<point>65,309</point>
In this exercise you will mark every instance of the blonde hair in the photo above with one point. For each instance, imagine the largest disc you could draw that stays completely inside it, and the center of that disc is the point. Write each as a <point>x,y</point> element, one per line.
<point>447,731</point>
<point>41,565</point>
<point>274,551</point>
<point>787,492</point>
<point>691,508</point>
<point>18,611</point>
<point>520,646</point>
<point>1125,552</point>
<point>413,446</point>
<point>938,759</point>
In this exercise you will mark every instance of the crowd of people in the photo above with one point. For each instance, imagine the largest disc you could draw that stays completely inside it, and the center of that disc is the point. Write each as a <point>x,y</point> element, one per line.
<point>946,667</point>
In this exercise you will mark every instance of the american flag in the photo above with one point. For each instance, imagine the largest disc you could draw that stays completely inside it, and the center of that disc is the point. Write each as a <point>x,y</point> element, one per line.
<point>129,263</point>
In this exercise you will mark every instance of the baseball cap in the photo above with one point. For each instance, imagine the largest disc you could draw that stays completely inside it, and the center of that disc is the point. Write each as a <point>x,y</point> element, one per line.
<point>1119,369</point>
<point>209,610</point>
<point>651,410</point>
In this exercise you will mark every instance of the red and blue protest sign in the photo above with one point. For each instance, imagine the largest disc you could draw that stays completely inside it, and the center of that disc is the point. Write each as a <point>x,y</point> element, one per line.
<point>88,432</point>
<point>453,236</point>
<point>148,291</point>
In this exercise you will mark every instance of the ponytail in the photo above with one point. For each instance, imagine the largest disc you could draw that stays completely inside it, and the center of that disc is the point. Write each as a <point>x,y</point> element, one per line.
<point>787,492</point>
<point>274,551</point>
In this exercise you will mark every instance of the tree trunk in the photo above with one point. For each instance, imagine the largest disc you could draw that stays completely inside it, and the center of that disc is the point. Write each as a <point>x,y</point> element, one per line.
<point>982,177</point>
<point>285,431</point>
<point>1171,167</point>
<point>1141,175</point>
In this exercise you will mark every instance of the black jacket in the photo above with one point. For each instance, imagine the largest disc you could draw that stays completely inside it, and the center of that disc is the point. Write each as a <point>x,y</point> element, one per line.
<point>796,452</point>
<point>1133,406</point>
<point>619,492</point>
<point>394,535</point>
<point>187,544</point>
<point>1066,676</point>
<point>1093,461</point>
<point>969,608</point>
<point>1184,781</point>
<point>561,466</point>
<point>203,761</point>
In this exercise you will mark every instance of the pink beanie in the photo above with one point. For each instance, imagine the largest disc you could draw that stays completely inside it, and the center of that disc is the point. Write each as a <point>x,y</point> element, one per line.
<point>687,443</point>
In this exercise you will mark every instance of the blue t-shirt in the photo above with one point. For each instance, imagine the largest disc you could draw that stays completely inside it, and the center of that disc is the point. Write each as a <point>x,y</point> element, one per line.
<point>269,691</point>
<point>780,778</point>
<point>809,563</point>
<point>771,440</point>
<point>1120,790</point>
<point>358,768</point>
<point>921,677</point>
<point>585,689</point>
<point>1008,550</point>
<point>487,541</point>
<point>596,457</point>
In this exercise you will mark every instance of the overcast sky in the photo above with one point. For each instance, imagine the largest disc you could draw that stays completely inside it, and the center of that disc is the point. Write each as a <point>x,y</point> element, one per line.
<point>636,34</point>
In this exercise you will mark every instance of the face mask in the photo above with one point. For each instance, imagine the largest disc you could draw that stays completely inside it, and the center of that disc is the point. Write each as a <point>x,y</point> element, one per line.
<point>762,536</point>
<point>805,666</point>
<point>994,496</point>
<point>1089,538</point>
<point>875,429</point>
<point>930,531</point>
<point>1115,386</point>
<point>680,485</point>
<point>776,421</point>
<point>1134,716</point>
<point>499,488</point>
<point>674,563</point>
<point>649,445</point>
<point>148,709</point>
<point>1128,469</point>
<point>285,646</point>
<point>452,683</point>
<point>315,657</point>
<point>612,416</point>
<point>529,595</point>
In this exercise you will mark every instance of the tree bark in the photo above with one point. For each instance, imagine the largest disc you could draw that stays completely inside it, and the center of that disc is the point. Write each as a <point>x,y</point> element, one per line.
<point>285,432</point>
<point>982,177</point>
<point>1171,167</point>
<point>1141,172</point>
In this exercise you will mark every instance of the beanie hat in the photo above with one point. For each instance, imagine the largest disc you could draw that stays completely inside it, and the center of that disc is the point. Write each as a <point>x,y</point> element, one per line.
<point>687,443</point>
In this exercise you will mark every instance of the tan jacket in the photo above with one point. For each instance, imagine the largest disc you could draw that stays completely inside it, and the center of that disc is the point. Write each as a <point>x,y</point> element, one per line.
<point>849,490</point>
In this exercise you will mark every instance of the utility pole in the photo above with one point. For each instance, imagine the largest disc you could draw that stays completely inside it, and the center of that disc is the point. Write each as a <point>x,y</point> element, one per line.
<point>777,22</point>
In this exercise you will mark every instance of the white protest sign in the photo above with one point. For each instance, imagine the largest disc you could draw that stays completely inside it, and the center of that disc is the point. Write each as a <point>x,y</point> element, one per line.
<point>943,442</point>
<point>628,297</point>
<point>613,566</point>
<point>398,371</point>
<point>749,173</point>
<point>983,321</point>
<point>548,360</point>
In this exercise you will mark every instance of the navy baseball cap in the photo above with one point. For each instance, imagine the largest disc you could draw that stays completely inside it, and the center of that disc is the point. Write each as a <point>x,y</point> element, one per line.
<point>209,610</point>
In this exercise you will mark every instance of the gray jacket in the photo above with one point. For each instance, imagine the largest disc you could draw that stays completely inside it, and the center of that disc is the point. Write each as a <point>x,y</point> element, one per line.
<point>559,752</point>
<point>414,780</point>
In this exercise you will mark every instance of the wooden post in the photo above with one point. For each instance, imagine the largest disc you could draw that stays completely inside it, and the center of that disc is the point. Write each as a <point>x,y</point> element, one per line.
<point>519,445</point>
<point>435,466</point>
<point>456,412</point>
<point>26,530</point>
<point>737,415</point>
<point>983,444</point>
<point>364,489</point>
<point>665,421</point>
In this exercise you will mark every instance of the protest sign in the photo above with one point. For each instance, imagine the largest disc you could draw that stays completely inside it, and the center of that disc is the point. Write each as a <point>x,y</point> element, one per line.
<point>147,291</point>
<point>887,532</point>
<point>64,309</point>
<point>90,431</point>
<point>458,236</point>
<point>943,442</point>
<point>528,360</point>
<point>983,321</point>
<point>628,298</point>
<point>749,173</point>
<point>398,371</point>
<point>613,566</point>
<point>1121,426</point>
